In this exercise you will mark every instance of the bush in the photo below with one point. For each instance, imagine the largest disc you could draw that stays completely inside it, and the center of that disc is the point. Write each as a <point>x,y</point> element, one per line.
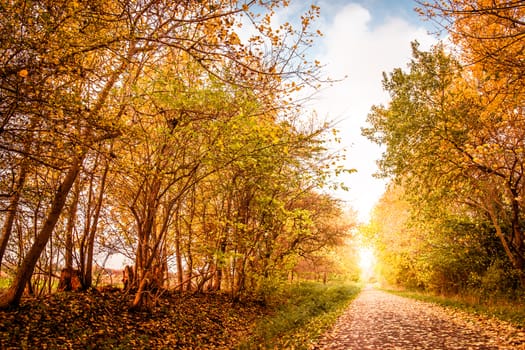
<point>499,279</point>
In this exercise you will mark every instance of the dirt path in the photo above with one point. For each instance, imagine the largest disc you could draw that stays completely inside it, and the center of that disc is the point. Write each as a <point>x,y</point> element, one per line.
<point>378,320</point>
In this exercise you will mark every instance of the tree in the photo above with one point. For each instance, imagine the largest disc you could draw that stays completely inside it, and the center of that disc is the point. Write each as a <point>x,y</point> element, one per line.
<point>435,245</point>
<point>489,37</point>
<point>49,58</point>
<point>397,245</point>
<point>489,34</point>
<point>73,75</point>
<point>445,136</point>
<point>178,125</point>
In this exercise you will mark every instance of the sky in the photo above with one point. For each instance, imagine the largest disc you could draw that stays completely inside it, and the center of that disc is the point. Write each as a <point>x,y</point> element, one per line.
<point>361,40</point>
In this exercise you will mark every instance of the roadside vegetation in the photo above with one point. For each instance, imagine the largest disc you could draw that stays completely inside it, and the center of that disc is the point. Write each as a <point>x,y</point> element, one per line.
<point>293,317</point>
<point>303,313</point>
<point>503,308</point>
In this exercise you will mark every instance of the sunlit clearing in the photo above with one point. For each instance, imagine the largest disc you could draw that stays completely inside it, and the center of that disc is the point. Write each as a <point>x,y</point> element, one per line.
<point>366,260</point>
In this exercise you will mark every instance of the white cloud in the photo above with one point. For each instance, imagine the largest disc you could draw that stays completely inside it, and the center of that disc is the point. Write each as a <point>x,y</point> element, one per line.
<point>354,48</point>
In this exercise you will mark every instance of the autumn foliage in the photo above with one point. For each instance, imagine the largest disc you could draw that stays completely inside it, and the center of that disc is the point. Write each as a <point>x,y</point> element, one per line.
<point>454,137</point>
<point>162,131</point>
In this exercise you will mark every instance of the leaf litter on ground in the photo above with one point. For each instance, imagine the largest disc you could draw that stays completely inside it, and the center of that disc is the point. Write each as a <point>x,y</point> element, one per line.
<point>102,320</point>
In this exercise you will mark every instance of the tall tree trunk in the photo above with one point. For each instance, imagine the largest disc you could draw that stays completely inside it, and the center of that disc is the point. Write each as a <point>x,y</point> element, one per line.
<point>189,275</point>
<point>88,273</point>
<point>148,243</point>
<point>89,210</point>
<point>50,266</point>
<point>14,293</point>
<point>516,260</point>
<point>239,280</point>
<point>139,301</point>
<point>189,262</point>
<point>178,256</point>
<point>71,226</point>
<point>65,278</point>
<point>217,281</point>
<point>7,228</point>
<point>517,232</point>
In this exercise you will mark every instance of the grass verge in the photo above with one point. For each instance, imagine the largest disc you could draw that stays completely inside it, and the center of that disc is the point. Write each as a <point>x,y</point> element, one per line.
<point>310,309</point>
<point>512,311</point>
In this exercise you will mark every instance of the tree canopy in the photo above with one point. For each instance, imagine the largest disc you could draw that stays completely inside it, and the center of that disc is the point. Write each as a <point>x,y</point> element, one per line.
<point>453,130</point>
<point>151,129</point>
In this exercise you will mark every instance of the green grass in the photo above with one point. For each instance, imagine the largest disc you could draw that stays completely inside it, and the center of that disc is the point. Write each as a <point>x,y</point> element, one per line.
<point>506,309</point>
<point>310,308</point>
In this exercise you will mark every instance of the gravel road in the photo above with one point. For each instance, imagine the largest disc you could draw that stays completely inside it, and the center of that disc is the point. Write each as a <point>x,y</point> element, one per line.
<point>379,320</point>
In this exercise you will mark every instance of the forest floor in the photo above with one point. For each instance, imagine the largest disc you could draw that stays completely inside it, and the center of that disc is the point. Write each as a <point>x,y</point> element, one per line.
<point>374,320</point>
<point>98,320</point>
<point>293,317</point>
<point>380,320</point>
